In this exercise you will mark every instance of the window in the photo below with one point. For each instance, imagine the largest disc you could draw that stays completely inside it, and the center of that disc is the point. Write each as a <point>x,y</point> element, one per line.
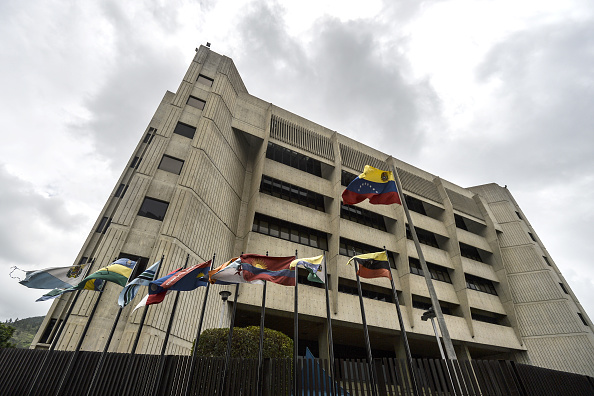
<point>148,138</point>
<point>121,190</point>
<point>470,252</point>
<point>352,248</point>
<point>546,260</point>
<point>362,216</point>
<point>532,236</point>
<point>135,163</point>
<point>185,130</point>
<point>425,305</point>
<point>289,192</point>
<point>289,231</point>
<point>83,260</point>
<point>171,164</point>
<point>153,208</point>
<point>437,272</point>
<point>195,102</point>
<point>460,222</point>
<point>44,339</point>
<point>518,214</point>
<point>480,284</point>
<point>347,177</point>
<point>484,318</point>
<point>141,263</point>
<point>102,225</point>
<point>563,288</point>
<point>425,237</point>
<point>294,159</point>
<point>583,319</point>
<point>416,205</point>
<point>367,291</point>
<point>204,80</point>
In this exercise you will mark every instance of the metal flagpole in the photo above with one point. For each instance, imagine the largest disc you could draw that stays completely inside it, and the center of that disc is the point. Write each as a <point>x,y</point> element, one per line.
<point>403,332</point>
<point>261,350</point>
<point>166,339</point>
<point>145,310</point>
<point>296,328</point>
<point>109,338</point>
<point>194,352</point>
<point>367,344</point>
<point>52,346</point>
<point>447,341</point>
<point>231,325</point>
<point>79,344</point>
<point>328,316</point>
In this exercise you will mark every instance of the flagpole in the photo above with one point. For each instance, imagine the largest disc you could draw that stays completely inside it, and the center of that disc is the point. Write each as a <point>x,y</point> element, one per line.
<point>79,344</point>
<point>231,325</point>
<point>109,338</point>
<point>449,347</point>
<point>366,333</point>
<point>296,328</point>
<point>166,339</point>
<point>144,312</point>
<point>329,318</point>
<point>403,332</point>
<point>53,345</point>
<point>197,339</point>
<point>260,351</point>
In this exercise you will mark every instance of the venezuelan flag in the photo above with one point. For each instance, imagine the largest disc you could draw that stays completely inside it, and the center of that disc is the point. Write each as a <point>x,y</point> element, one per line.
<point>373,265</point>
<point>377,185</point>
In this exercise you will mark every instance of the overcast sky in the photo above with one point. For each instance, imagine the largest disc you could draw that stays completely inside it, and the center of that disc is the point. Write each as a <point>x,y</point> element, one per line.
<point>472,91</point>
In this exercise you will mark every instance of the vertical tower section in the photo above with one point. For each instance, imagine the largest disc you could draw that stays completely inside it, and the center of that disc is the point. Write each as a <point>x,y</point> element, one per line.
<point>552,323</point>
<point>179,196</point>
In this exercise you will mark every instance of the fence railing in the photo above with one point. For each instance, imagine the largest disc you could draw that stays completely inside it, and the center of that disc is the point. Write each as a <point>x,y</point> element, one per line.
<point>67,373</point>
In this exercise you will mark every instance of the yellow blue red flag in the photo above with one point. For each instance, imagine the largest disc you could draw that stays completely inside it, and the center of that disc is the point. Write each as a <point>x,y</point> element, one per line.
<point>374,184</point>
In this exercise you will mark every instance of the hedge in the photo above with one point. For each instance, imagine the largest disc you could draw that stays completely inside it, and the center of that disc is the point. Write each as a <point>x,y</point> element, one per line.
<point>245,343</point>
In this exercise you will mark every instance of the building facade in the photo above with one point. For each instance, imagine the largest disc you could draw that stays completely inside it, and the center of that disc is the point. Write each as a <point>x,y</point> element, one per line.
<point>219,171</point>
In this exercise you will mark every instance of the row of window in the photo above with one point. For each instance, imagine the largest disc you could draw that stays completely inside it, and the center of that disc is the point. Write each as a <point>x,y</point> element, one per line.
<point>353,248</point>
<point>290,192</point>
<point>289,231</point>
<point>470,252</point>
<point>425,237</point>
<point>480,284</point>
<point>294,159</point>
<point>437,272</point>
<point>348,287</point>
<point>362,216</point>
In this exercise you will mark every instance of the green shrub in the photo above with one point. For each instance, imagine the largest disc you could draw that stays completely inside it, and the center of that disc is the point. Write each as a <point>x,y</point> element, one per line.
<point>245,343</point>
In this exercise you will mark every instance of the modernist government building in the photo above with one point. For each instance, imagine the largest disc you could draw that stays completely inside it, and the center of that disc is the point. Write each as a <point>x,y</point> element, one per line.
<point>218,170</point>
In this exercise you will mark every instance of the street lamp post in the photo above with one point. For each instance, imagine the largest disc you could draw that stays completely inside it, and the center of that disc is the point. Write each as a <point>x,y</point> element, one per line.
<point>224,296</point>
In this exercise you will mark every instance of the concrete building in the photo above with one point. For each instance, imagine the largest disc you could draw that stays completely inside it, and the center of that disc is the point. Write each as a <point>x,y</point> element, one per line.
<point>221,171</point>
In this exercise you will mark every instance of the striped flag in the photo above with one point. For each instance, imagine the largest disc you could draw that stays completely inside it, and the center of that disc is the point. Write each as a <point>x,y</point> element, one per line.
<point>129,291</point>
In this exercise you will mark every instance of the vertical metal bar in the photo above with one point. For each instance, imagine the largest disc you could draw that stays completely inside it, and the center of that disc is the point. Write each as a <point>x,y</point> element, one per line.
<point>329,319</point>
<point>296,326</point>
<point>366,333</point>
<point>231,325</point>
<point>449,347</point>
<point>261,350</point>
<point>403,331</point>
<point>143,317</point>
<point>194,352</point>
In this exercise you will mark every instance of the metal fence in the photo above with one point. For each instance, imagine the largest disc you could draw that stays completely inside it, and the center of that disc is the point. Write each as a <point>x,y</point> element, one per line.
<point>34,372</point>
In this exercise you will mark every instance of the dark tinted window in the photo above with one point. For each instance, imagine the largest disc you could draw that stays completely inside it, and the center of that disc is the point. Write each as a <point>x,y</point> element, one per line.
<point>204,80</point>
<point>293,159</point>
<point>347,177</point>
<point>583,319</point>
<point>153,208</point>
<point>195,102</point>
<point>102,224</point>
<point>135,163</point>
<point>460,222</point>
<point>289,192</point>
<point>480,284</point>
<point>470,252</point>
<point>416,205</point>
<point>353,248</point>
<point>121,190</point>
<point>425,237</point>
<point>437,272</point>
<point>292,232</point>
<point>185,130</point>
<point>546,260</point>
<point>362,216</point>
<point>171,164</point>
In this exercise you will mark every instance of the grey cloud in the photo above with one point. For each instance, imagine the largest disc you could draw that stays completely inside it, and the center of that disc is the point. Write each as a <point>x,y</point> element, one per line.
<point>346,78</point>
<point>28,219</point>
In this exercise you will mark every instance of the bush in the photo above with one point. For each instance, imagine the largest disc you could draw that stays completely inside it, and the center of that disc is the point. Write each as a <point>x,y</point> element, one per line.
<point>245,343</point>
<point>5,335</point>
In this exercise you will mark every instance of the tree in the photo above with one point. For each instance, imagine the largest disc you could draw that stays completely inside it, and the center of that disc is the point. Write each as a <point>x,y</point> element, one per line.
<point>5,335</point>
<point>245,343</point>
